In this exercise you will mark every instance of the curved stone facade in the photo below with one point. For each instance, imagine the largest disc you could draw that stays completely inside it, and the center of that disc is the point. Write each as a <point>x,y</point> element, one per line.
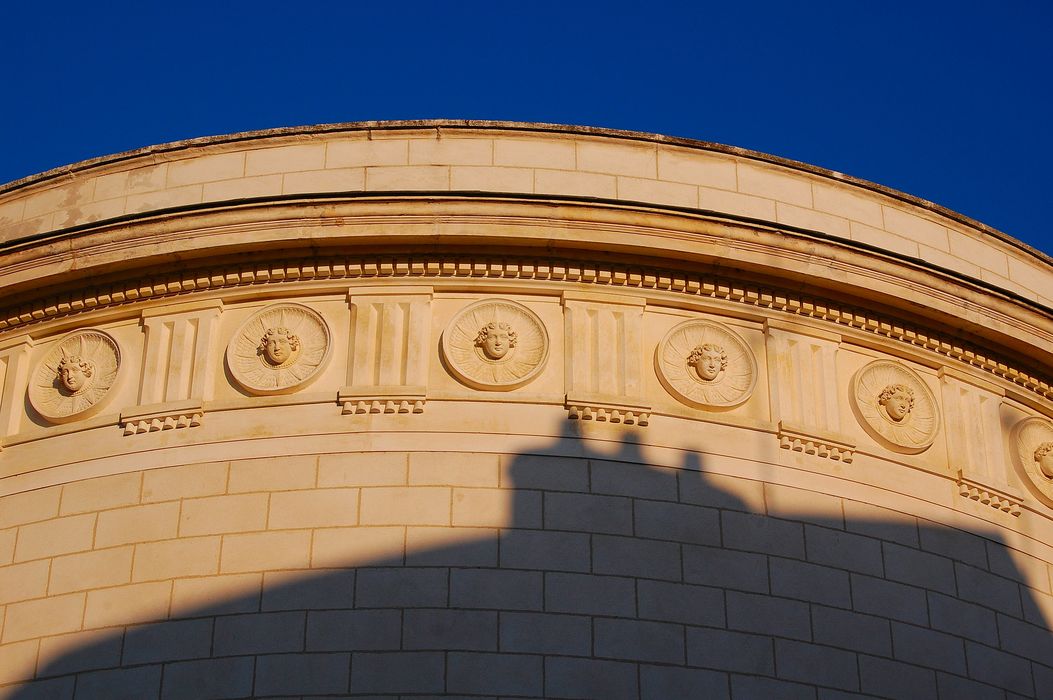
<point>506,410</point>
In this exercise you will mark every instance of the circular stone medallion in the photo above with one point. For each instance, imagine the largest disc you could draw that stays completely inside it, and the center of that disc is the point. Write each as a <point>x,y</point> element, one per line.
<point>495,345</point>
<point>706,365</point>
<point>1032,441</point>
<point>895,406</point>
<point>279,349</point>
<point>74,377</point>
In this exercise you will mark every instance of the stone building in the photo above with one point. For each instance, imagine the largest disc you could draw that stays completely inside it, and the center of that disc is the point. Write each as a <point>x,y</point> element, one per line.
<point>503,410</point>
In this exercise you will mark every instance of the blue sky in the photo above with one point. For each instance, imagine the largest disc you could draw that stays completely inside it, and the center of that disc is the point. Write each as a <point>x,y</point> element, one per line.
<point>950,101</point>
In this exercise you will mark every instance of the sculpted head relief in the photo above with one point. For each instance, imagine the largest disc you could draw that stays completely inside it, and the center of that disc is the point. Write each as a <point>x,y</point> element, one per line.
<point>1044,457</point>
<point>1032,439</point>
<point>278,346</point>
<point>496,339</point>
<point>278,349</point>
<point>709,360</point>
<point>706,365</point>
<point>898,400</point>
<point>895,406</point>
<point>495,345</point>
<point>74,372</point>
<point>73,379</point>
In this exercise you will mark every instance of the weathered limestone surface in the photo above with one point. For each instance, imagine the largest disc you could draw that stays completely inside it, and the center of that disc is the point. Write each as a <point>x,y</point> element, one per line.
<point>453,409</point>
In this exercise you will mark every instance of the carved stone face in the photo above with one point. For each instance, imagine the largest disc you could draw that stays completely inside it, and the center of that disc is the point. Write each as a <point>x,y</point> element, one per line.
<point>1044,457</point>
<point>277,350</point>
<point>497,343</point>
<point>496,339</point>
<point>898,405</point>
<point>278,345</point>
<point>708,360</point>
<point>74,373</point>
<point>709,364</point>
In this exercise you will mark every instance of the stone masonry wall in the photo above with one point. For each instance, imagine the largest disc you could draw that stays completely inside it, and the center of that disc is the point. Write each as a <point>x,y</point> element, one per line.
<point>580,165</point>
<point>553,573</point>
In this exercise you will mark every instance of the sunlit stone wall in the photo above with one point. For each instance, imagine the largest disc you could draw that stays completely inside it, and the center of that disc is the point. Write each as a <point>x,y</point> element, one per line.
<point>500,410</point>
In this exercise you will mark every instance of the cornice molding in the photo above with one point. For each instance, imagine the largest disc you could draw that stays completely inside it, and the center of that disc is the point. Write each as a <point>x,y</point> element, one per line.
<point>307,133</point>
<point>437,268</point>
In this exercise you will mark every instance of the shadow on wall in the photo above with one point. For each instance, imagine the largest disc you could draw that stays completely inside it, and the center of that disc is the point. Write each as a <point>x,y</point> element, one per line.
<point>612,580</point>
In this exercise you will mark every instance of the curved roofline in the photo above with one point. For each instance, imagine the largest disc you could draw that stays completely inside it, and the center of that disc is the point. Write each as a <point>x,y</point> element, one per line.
<point>526,127</point>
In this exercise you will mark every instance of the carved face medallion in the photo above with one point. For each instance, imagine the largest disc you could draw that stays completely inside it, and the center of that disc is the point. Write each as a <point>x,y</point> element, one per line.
<point>898,400</point>
<point>1044,457</point>
<point>895,406</point>
<point>278,346</point>
<point>708,360</point>
<point>279,349</point>
<point>706,365</point>
<point>73,379</point>
<point>1032,441</point>
<point>75,373</point>
<point>496,339</point>
<point>495,345</point>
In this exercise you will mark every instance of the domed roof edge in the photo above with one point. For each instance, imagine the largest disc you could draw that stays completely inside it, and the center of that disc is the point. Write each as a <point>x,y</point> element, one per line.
<point>279,132</point>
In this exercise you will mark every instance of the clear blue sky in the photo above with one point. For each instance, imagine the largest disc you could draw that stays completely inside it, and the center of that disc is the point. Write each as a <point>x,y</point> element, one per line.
<point>950,101</point>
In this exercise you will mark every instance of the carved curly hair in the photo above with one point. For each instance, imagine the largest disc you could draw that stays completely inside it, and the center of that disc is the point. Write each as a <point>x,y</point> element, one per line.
<point>1044,449</point>
<point>699,350</point>
<point>294,340</point>
<point>480,338</point>
<point>893,389</point>
<point>86,366</point>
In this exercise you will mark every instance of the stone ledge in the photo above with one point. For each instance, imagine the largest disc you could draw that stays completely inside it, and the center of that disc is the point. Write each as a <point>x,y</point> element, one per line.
<point>600,410</point>
<point>382,399</point>
<point>813,442</point>
<point>989,496</point>
<point>163,416</point>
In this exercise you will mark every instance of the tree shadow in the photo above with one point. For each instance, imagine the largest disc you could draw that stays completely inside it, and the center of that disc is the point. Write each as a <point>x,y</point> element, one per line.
<point>611,579</point>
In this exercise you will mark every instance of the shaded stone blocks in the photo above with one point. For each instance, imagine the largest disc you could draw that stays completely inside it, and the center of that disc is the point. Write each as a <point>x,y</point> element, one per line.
<point>579,578</point>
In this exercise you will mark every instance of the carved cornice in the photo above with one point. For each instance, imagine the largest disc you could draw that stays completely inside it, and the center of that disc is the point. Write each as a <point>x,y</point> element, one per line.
<point>381,399</point>
<point>982,493</point>
<point>166,416</point>
<point>158,153</point>
<point>605,411</point>
<point>809,441</point>
<point>435,268</point>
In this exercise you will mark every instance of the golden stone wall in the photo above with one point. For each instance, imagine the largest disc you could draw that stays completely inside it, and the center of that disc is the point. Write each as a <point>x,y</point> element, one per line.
<point>514,410</point>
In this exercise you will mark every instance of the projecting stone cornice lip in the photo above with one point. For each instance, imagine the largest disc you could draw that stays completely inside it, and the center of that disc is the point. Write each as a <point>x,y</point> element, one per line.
<point>40,279</point>
<point>525,127</point>
<point>488,198</point>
